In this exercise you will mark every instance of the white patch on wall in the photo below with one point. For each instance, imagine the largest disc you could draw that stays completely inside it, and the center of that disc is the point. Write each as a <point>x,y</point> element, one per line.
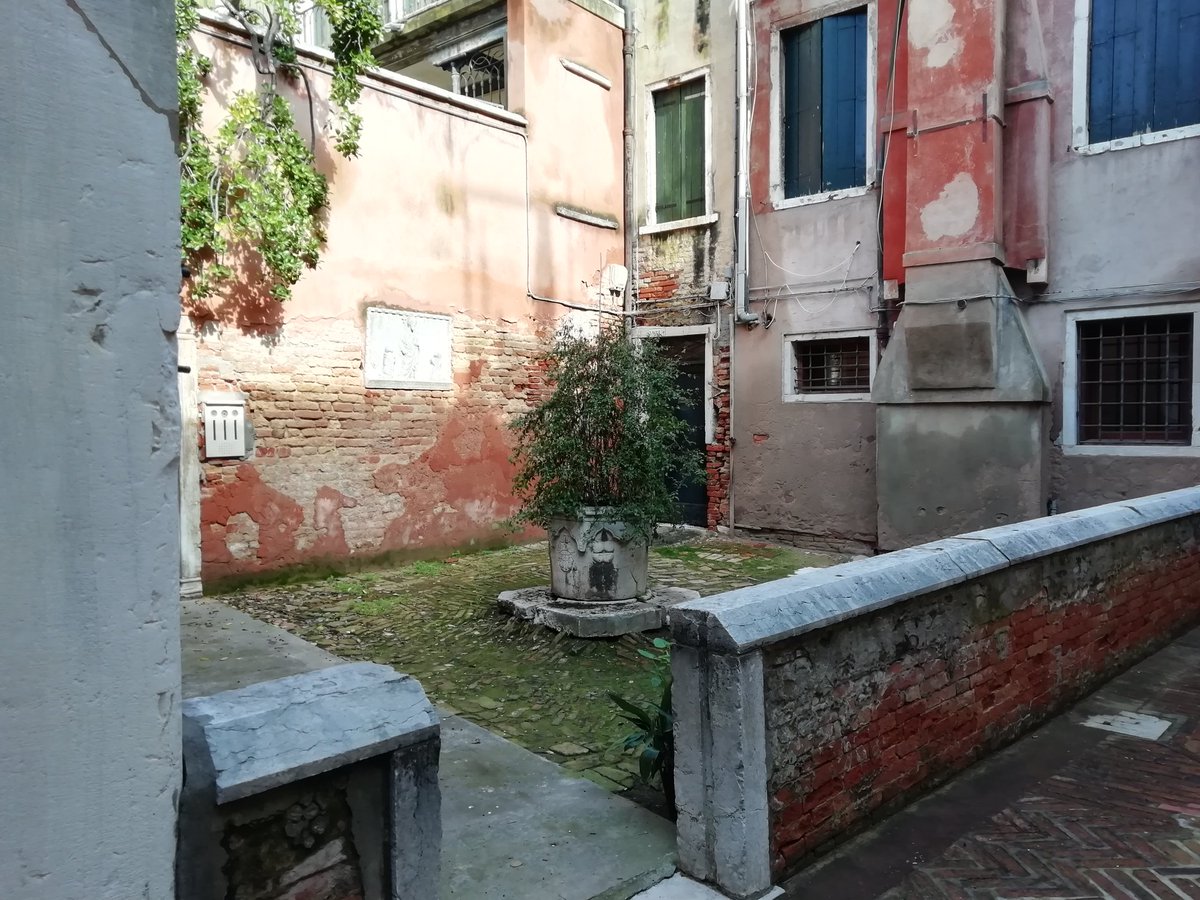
<point>931,27</point>
<point>408,350</point>
<point>955,210</point>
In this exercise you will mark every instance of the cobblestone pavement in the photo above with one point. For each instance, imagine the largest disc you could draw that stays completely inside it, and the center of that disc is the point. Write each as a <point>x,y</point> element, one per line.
<point>1087,814</point>
<point>547,692</point>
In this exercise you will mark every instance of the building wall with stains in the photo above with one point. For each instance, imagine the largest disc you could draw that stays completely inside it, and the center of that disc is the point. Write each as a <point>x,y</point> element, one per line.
<point>450,209</point>
<point>803,470</point>
<point>984,184</point>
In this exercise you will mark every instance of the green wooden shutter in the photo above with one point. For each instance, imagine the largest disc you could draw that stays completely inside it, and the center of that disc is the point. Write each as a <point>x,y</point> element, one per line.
<point>691,150</point>
<point>667,181</point>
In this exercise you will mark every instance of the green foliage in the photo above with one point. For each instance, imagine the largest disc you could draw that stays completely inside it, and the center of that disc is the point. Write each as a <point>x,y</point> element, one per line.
<point>607,436</point>
<point>652,736</point>
<point>254,185</point>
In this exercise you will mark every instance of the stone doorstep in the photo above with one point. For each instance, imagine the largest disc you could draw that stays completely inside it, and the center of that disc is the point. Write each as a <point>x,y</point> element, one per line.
<point>585,619</point>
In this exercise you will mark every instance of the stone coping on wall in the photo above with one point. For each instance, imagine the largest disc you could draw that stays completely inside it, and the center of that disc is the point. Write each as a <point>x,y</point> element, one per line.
<point>273,733</point>
<point>749,618</point>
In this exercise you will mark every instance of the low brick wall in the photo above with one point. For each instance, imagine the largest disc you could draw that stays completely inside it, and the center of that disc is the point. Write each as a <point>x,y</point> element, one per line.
<point>809,707</point>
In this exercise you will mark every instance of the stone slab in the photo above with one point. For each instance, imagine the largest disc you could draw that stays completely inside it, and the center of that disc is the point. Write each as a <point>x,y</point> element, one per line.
<point>517,827</point>
<point>680,887</point>
<point>741,620</point>
<point>586,619</point>
<point>223,649</point>
<point>275,732</point>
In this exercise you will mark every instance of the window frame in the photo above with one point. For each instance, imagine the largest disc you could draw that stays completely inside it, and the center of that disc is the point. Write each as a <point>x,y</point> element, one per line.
<point>1070,383</point>
<point>652,225</point>
<point>791,395</point>
<point>778,199</point>
<point>1081,88</point>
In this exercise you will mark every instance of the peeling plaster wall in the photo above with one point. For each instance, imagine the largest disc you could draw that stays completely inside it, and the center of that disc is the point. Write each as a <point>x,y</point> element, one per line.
<point>431,217</point>
<point>675,267</point>
<point>1119,218</point>
<point>89,271</point>
<point>805,469</point>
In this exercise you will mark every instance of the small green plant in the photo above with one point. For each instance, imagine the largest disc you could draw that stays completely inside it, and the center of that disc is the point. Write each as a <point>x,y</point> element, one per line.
<point>653,737</point>
<point>608,435</point>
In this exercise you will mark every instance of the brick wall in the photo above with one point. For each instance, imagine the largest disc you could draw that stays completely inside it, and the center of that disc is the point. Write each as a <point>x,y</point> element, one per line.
<point>717,463</point>
<point>340,470</point>
<point>862,716</point>
<point>807,708</point>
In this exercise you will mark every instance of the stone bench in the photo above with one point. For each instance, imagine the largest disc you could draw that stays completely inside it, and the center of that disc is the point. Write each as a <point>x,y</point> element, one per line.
<point>317,785</point>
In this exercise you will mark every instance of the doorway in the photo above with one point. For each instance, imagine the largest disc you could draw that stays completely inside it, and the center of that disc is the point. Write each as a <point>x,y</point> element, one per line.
<point>690,353</point>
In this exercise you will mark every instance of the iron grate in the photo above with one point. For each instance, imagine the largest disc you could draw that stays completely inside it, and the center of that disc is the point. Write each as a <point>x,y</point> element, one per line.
<point>833,365</point>
<point>1135,380</point>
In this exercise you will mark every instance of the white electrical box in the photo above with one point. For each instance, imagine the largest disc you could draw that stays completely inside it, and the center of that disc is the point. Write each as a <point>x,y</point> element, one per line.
<point>224,427</point>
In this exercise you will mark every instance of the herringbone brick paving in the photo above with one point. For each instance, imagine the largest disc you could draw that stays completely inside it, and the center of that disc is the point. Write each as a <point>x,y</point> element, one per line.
<point>1120,822</point>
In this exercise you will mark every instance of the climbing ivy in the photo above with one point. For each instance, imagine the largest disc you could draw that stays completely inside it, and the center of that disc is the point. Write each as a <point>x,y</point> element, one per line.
<point>252,185</point>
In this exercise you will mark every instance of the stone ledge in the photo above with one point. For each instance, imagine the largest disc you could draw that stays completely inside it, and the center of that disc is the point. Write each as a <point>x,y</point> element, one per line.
<point>270,734</point>
<point>742,620</point>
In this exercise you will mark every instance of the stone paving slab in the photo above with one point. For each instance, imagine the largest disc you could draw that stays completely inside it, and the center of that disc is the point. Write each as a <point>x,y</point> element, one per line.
<point>517,827</point>
<point>680,887</point>
<point>1069,812</point>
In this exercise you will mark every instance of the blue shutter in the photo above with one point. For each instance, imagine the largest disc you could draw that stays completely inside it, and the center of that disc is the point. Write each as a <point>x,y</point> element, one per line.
<point>1187,76</point>
<point>844,100</point>
<point>1144,67</point>
<point>802,110</point>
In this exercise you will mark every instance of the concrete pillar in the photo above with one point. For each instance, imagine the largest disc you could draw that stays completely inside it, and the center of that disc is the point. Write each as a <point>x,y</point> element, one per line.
<point>960,394</point>
<point>722,827</point>
<point>189,464</point>
<point>89,435</point>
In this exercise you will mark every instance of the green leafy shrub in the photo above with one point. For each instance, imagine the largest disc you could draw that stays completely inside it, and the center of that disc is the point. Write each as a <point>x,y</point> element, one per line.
<point>608,435</point>
<point>254,184</point>
<point>653,737</point>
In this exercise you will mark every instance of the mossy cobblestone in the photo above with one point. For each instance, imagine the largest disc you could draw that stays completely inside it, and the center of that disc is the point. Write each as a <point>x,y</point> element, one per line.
<point>439,622</point>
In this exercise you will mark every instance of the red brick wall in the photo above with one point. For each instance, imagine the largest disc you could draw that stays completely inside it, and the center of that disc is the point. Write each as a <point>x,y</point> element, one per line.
<point>865,714</point>
<point>717,464</point>
<point>340,470</point>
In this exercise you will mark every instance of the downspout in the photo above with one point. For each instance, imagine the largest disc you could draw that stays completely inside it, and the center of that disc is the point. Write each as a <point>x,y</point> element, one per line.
<point>629,187</point>
<point>741,314</point>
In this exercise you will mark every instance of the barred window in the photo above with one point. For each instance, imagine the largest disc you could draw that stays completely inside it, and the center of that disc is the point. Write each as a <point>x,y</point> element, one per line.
<point>1135,380</point>
<point>832,365</point>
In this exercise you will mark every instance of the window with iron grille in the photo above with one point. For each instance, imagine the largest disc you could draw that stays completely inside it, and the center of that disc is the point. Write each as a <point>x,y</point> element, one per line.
<point>840,365</point>
<point>1135,380</point>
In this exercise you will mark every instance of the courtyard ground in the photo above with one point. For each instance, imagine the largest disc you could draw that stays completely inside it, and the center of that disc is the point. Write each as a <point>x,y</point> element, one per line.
<point>547,692</point>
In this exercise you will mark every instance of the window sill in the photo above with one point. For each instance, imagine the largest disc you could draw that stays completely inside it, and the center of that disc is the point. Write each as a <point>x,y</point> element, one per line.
<point>1130,450</point>
<point>679,224</point>
<point>1139,140</point>
<point>827,398</point>
<point>823,197</point>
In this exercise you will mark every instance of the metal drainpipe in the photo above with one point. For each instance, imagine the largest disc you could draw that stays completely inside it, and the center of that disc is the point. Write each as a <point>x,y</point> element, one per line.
<point>629,188</point>
<point>742,315</point>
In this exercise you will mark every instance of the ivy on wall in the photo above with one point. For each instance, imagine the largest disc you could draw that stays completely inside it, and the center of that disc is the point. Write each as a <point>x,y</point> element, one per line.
<point>252,183</point>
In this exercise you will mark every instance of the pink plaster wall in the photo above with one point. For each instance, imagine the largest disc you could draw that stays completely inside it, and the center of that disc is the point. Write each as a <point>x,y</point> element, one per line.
<point>431,217</point>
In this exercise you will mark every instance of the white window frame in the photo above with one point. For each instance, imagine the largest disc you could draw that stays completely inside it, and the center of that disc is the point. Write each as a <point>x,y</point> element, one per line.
<point>1081,93</point>
<point>791,395</point>
<point>778,200</point>
<point>653,226</point>
<point>1070,385</point>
